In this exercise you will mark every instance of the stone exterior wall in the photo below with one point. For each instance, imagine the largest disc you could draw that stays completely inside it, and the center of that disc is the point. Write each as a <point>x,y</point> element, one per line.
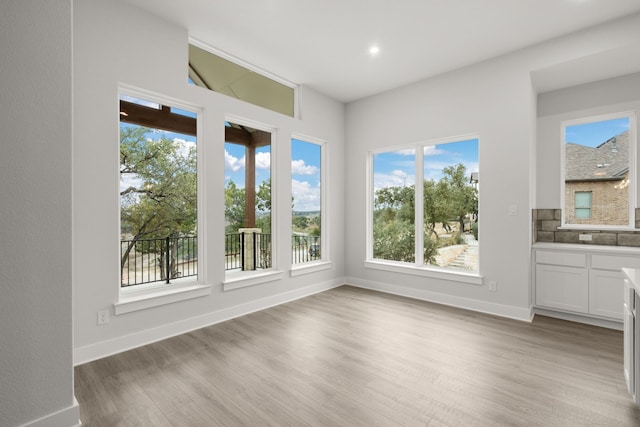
<point>546,228</point>
<point>606,199</point>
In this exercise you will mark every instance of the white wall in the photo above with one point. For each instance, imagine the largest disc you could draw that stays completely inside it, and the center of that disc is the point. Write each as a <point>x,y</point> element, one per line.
<point>497,101</point>
<point>36,371</point>
<point>603,97</point>
<point>116,43</point>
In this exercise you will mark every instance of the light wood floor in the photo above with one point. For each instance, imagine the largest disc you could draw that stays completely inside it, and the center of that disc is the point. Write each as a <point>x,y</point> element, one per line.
<point>352,357</point>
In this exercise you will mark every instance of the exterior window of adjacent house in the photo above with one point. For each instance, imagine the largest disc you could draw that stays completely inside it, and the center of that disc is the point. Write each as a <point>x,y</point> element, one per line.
<point>158,193</point>
<point>248,237</point>
<point>583,204</point>
<point>424,205</point>
<point>306,194</point>
<point>598,186</point>
<point>231,77</point>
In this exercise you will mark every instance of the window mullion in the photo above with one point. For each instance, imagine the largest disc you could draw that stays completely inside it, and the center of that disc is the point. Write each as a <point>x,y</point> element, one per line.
<point>419,206</point>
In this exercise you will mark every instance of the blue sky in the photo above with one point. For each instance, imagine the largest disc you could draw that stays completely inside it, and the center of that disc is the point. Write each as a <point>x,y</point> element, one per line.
<point>595,133</point>
<point>305,171</point>
<point>397,168</point>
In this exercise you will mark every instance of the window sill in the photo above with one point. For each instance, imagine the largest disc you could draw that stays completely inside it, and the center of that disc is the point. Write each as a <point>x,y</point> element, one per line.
<point>242,279</point>
<point>310,267</point>
<point>456,276</point>
<point>597,228</point>
<point>167,294</point>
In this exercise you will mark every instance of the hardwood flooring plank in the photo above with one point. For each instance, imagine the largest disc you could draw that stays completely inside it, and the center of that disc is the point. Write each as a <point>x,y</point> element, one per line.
<point>354,357</point>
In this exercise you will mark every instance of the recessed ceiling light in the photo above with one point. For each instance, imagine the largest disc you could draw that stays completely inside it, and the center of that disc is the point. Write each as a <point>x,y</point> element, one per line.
<point>374,50</point>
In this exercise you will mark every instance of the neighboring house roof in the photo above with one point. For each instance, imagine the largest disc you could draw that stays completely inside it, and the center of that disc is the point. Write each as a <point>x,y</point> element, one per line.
<point>608,161</point>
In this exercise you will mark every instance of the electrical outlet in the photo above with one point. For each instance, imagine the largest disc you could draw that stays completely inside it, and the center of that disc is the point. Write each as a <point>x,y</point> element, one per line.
<point>513,210</point>
<point>585,237</point>
<point>103,317</point>
<point>493,285</point>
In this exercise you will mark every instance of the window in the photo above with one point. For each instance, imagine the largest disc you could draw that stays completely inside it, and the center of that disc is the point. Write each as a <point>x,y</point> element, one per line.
<point>221,73</point>
<point>248,238</point>
<point>306,204</point>
<point>598,184</point>
<point>583,204</point>
<point>438,229</point>
<point>158,193</point>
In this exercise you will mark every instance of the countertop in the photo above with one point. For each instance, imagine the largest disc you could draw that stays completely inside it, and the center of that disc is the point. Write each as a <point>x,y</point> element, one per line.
<point>633,274</point>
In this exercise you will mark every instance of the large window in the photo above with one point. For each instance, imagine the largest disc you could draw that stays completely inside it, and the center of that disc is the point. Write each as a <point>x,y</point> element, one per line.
<point>306,204</point>
<point>248,238</point>
<point>598,184</point>
<point>158,193</point>
<point>439,228</point>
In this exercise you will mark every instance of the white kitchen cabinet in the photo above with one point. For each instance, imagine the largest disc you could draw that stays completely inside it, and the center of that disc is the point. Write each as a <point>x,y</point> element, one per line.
<point>584,280</point>
<point>605,293</point>
<point>564,288</point>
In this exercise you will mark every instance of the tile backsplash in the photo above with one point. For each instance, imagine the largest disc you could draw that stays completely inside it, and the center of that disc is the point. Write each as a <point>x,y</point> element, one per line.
<point>546,228</point>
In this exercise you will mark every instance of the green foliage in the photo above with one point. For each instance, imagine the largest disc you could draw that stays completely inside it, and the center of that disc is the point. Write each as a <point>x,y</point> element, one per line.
<point>450,198</point>
<point>161,200</point>
<point>474,230</point>
<point>234,207</point>
<point>300,222</point>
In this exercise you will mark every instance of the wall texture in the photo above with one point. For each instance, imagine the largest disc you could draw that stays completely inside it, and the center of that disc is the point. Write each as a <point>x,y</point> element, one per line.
<point>114,44</point>
<point>36,371</point>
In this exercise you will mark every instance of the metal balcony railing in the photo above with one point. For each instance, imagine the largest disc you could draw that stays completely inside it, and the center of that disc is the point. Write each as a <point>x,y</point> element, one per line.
<point>162,260</point>
<point>156,260</point>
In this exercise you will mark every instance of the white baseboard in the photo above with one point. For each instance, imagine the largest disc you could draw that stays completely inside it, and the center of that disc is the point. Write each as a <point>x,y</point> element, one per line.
<point>589,320</point>
<point>67,417</point>
<point>102,349</point>
<point>511,312</point>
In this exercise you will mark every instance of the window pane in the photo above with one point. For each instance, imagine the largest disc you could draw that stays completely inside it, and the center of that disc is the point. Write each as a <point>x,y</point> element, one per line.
<point>223,76</point>
<point>247,155</point>
<point>394,206</point>
<point>597,166</point>
<point>305,190</point>
<point>451,205</point>
<point>158,193</point>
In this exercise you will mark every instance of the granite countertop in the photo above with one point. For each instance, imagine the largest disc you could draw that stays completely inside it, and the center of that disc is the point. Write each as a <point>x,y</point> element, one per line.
<point>588,247</point>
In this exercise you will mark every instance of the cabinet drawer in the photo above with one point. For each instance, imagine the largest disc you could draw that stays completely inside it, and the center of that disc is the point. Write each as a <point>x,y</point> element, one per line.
<point>615,263</point>
<point>567,259</point>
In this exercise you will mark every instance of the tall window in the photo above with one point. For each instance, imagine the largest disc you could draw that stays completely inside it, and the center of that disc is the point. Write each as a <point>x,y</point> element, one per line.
<point>440,227</point>
<point>393,205</point>
<point>306,216</point>
<point>598,184</point>
<point>247,158</point>
<point>158,193</point>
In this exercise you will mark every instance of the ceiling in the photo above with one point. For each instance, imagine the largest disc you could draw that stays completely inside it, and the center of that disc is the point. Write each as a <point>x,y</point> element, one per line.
<point>325,43</point>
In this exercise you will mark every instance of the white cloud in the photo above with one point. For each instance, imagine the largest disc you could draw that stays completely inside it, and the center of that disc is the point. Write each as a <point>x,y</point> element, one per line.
<point>233,163</point>
<point>396,178</point>
<point>406,152</point>
<point>305,196</point>
<point>183,146</point>
<point>263,160</point>
<point>298,167</point>
<point>433,150</point>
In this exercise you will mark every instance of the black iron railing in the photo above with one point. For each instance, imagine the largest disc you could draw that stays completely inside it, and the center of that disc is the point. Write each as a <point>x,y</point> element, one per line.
<point>240,257</point>
<point>156,260</point>
<point>305,249</point>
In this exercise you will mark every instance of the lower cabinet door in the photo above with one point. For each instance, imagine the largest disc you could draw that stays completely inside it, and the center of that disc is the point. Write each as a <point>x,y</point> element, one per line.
<point>563,288</point>
<point>606,294</point>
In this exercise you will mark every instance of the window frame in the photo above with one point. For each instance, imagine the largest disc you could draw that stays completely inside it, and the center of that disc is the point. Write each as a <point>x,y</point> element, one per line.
<point>582,208</point>
<point>418,267</point>
<point>250,67</point>
<point>139,297</point>
<point>234,279</point>
<point>632,154</point>
<point>324,262</point>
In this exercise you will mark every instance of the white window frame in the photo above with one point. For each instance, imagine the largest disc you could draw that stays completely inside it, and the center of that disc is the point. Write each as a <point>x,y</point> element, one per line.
<point>139,297</point>
<point>324,262</point>
<point>418,267</point>
<point>631,115</point>
<point>222,54</point>
<point>242,279</point>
